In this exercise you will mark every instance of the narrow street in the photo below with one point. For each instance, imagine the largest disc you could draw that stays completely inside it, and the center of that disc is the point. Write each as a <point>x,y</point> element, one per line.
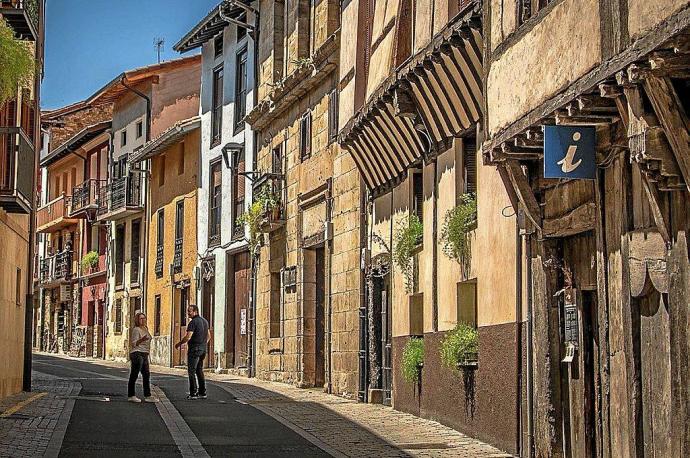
<point>79,408</point>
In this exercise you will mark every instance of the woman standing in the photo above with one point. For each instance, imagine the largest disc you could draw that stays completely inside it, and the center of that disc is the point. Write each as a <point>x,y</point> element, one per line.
<point>139,357</point>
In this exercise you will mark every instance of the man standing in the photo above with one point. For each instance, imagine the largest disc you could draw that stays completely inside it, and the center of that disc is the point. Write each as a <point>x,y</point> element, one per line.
<point>198,335</point>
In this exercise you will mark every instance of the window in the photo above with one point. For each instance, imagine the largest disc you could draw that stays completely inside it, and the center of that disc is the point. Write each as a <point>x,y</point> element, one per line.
<point>277,160</point>
<point>157,316</point>
<point>217,106</point>
<point>161,170</point>
<point>305,136</point>
<point>467,302</point>
<point>180,161</point>
<point>238,191</point>
<point>123,138</point>
<point>218,46</point>
<point>140,129</point>
<point>160,239</point>
<point>18,288</point>
<point>119,255</point>
<point>469,166</point>
<point>241,90</point>
<point>135,252</point>
<point>333,116</point>
<point>418,195</point>
<point>529,8</point>
<point>215,199</point>
<point>118,316</point>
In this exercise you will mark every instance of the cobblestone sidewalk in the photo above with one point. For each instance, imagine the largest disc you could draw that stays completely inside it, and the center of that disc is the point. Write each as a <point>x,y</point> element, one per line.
<point>346,428</point>
<point>32,424</point>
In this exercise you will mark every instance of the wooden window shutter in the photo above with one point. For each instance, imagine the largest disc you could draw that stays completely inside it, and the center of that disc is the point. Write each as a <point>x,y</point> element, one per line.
<point>470,165</point>
<point>240,178</point>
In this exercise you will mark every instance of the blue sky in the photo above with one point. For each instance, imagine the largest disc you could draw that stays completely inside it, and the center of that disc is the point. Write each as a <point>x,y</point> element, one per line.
<point>89,42</point>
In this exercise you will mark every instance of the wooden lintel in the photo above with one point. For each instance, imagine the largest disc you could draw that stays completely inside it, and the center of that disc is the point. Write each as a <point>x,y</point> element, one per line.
<point>524,192</point>
<point>581,219</point>
<point>673,119</point>
<point>656,206</point>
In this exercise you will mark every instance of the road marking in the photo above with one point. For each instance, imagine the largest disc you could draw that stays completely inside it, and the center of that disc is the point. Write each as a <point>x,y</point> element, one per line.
<point>16,408</point>
<point>182,434</point>
<point>287,423</point>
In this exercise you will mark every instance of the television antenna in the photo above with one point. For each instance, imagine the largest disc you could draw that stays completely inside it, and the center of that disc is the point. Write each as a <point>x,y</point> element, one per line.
<point>159,44</point>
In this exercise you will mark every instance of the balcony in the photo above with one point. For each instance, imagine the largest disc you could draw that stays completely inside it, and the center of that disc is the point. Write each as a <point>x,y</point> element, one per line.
<point>121,198</point>
<point>94,270</point>
<point>56,269</point>
<point>270,188</point>
<point>159,261</point>
<point>22,16</point>
<point>85,198</point>
<point>54,215</point>
<point>177,256</point>
<point>17,158</point>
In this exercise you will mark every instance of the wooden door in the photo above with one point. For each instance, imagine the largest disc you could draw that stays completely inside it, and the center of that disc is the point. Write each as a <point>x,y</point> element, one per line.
<point>208,302</point>
<point>320,376</point>
<point>180,325</point>
<point>241,306</point>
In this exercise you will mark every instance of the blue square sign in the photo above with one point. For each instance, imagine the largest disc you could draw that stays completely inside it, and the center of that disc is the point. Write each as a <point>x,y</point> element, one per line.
<point>569,152</point>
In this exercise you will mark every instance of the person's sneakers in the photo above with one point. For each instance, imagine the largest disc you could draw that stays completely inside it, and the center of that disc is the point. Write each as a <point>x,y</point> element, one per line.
<point>203,396</point>
<point>150,399</point>
<point>133,399</point>
<point>192,397</point>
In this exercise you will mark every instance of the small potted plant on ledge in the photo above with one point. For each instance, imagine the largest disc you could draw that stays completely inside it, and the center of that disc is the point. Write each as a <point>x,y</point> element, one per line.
<point>89,262</point>
<point>408,238</point>
<point>413,360</point>
<point>460,348</point>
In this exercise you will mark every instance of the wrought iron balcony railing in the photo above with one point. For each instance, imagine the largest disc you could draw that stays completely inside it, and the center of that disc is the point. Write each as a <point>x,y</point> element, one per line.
<point>17,157</point>
<point>177,256</point>
<point>86,196</point>
<point>159,261</point>
<point>121,194</point>
<point>22,16</point>
<point>56,268</point>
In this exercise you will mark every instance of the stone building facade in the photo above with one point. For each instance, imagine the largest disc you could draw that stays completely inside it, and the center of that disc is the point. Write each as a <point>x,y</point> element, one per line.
<point>603,216</point>
<point>308,280</point>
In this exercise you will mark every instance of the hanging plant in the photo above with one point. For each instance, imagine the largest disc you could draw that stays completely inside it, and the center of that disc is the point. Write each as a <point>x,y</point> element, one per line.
<point>407,238</point>
<point>17,63</point>
<point>413,359</point>
<point>252,219</point>
<point>89,261</point>
<point>460,347</point>
<point>455,233</point>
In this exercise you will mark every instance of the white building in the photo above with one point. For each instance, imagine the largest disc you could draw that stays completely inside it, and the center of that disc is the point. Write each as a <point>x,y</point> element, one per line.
<point>227,159</point>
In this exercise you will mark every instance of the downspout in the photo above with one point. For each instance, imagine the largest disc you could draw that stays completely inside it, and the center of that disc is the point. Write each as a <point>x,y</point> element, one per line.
<point>530,351</point>
<point>147,177</point>
<point>434,251</point>
<point>518,332</point>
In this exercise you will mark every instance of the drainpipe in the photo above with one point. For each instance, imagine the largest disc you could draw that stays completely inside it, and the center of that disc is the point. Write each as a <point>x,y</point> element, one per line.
<point>434,250</point>
<point>530,352</point>
<point>147,177</point>
<point>518,332</point>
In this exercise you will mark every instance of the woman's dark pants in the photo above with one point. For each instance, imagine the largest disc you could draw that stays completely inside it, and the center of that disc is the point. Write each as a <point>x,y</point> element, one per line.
<point>140,363</point>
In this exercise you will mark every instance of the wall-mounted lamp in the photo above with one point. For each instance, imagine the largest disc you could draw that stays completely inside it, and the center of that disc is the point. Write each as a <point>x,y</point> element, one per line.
<point>228,149</point>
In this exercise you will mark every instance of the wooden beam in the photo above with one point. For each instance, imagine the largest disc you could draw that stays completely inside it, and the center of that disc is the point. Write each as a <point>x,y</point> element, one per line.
<point>524,192</point>
<point>581,219</point>
<point>656,206</point>
<point>673,119</point>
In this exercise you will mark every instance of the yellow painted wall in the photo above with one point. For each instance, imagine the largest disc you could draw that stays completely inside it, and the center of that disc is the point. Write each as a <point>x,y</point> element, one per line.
<point>14,245</point>
<point>544,61</point>
<point>645,14</point>
<point>176,186</point>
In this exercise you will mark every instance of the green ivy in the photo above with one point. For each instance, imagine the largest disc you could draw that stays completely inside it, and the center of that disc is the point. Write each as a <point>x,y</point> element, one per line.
<point>16,63</point>
<point>407,238</point>
<point>412,359</point>
<point>460,344</point>
<point>455,234</point>
<point>89,260</point>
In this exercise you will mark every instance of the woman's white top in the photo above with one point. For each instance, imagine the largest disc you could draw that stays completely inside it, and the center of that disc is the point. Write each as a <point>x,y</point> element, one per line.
<point>138,333</point>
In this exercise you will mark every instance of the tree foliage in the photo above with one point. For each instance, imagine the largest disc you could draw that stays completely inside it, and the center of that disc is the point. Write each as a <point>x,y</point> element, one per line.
<point>16,63</point>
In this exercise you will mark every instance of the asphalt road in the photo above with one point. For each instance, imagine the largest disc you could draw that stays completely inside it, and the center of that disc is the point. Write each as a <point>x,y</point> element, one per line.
<point>104,424</point>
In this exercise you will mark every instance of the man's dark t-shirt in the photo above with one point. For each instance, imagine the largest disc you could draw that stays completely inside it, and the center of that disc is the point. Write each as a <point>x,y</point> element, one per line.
<point>199,326</point>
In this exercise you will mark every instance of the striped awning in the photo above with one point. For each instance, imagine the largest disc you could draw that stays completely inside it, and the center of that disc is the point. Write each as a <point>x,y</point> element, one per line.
<point>438,94</point>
